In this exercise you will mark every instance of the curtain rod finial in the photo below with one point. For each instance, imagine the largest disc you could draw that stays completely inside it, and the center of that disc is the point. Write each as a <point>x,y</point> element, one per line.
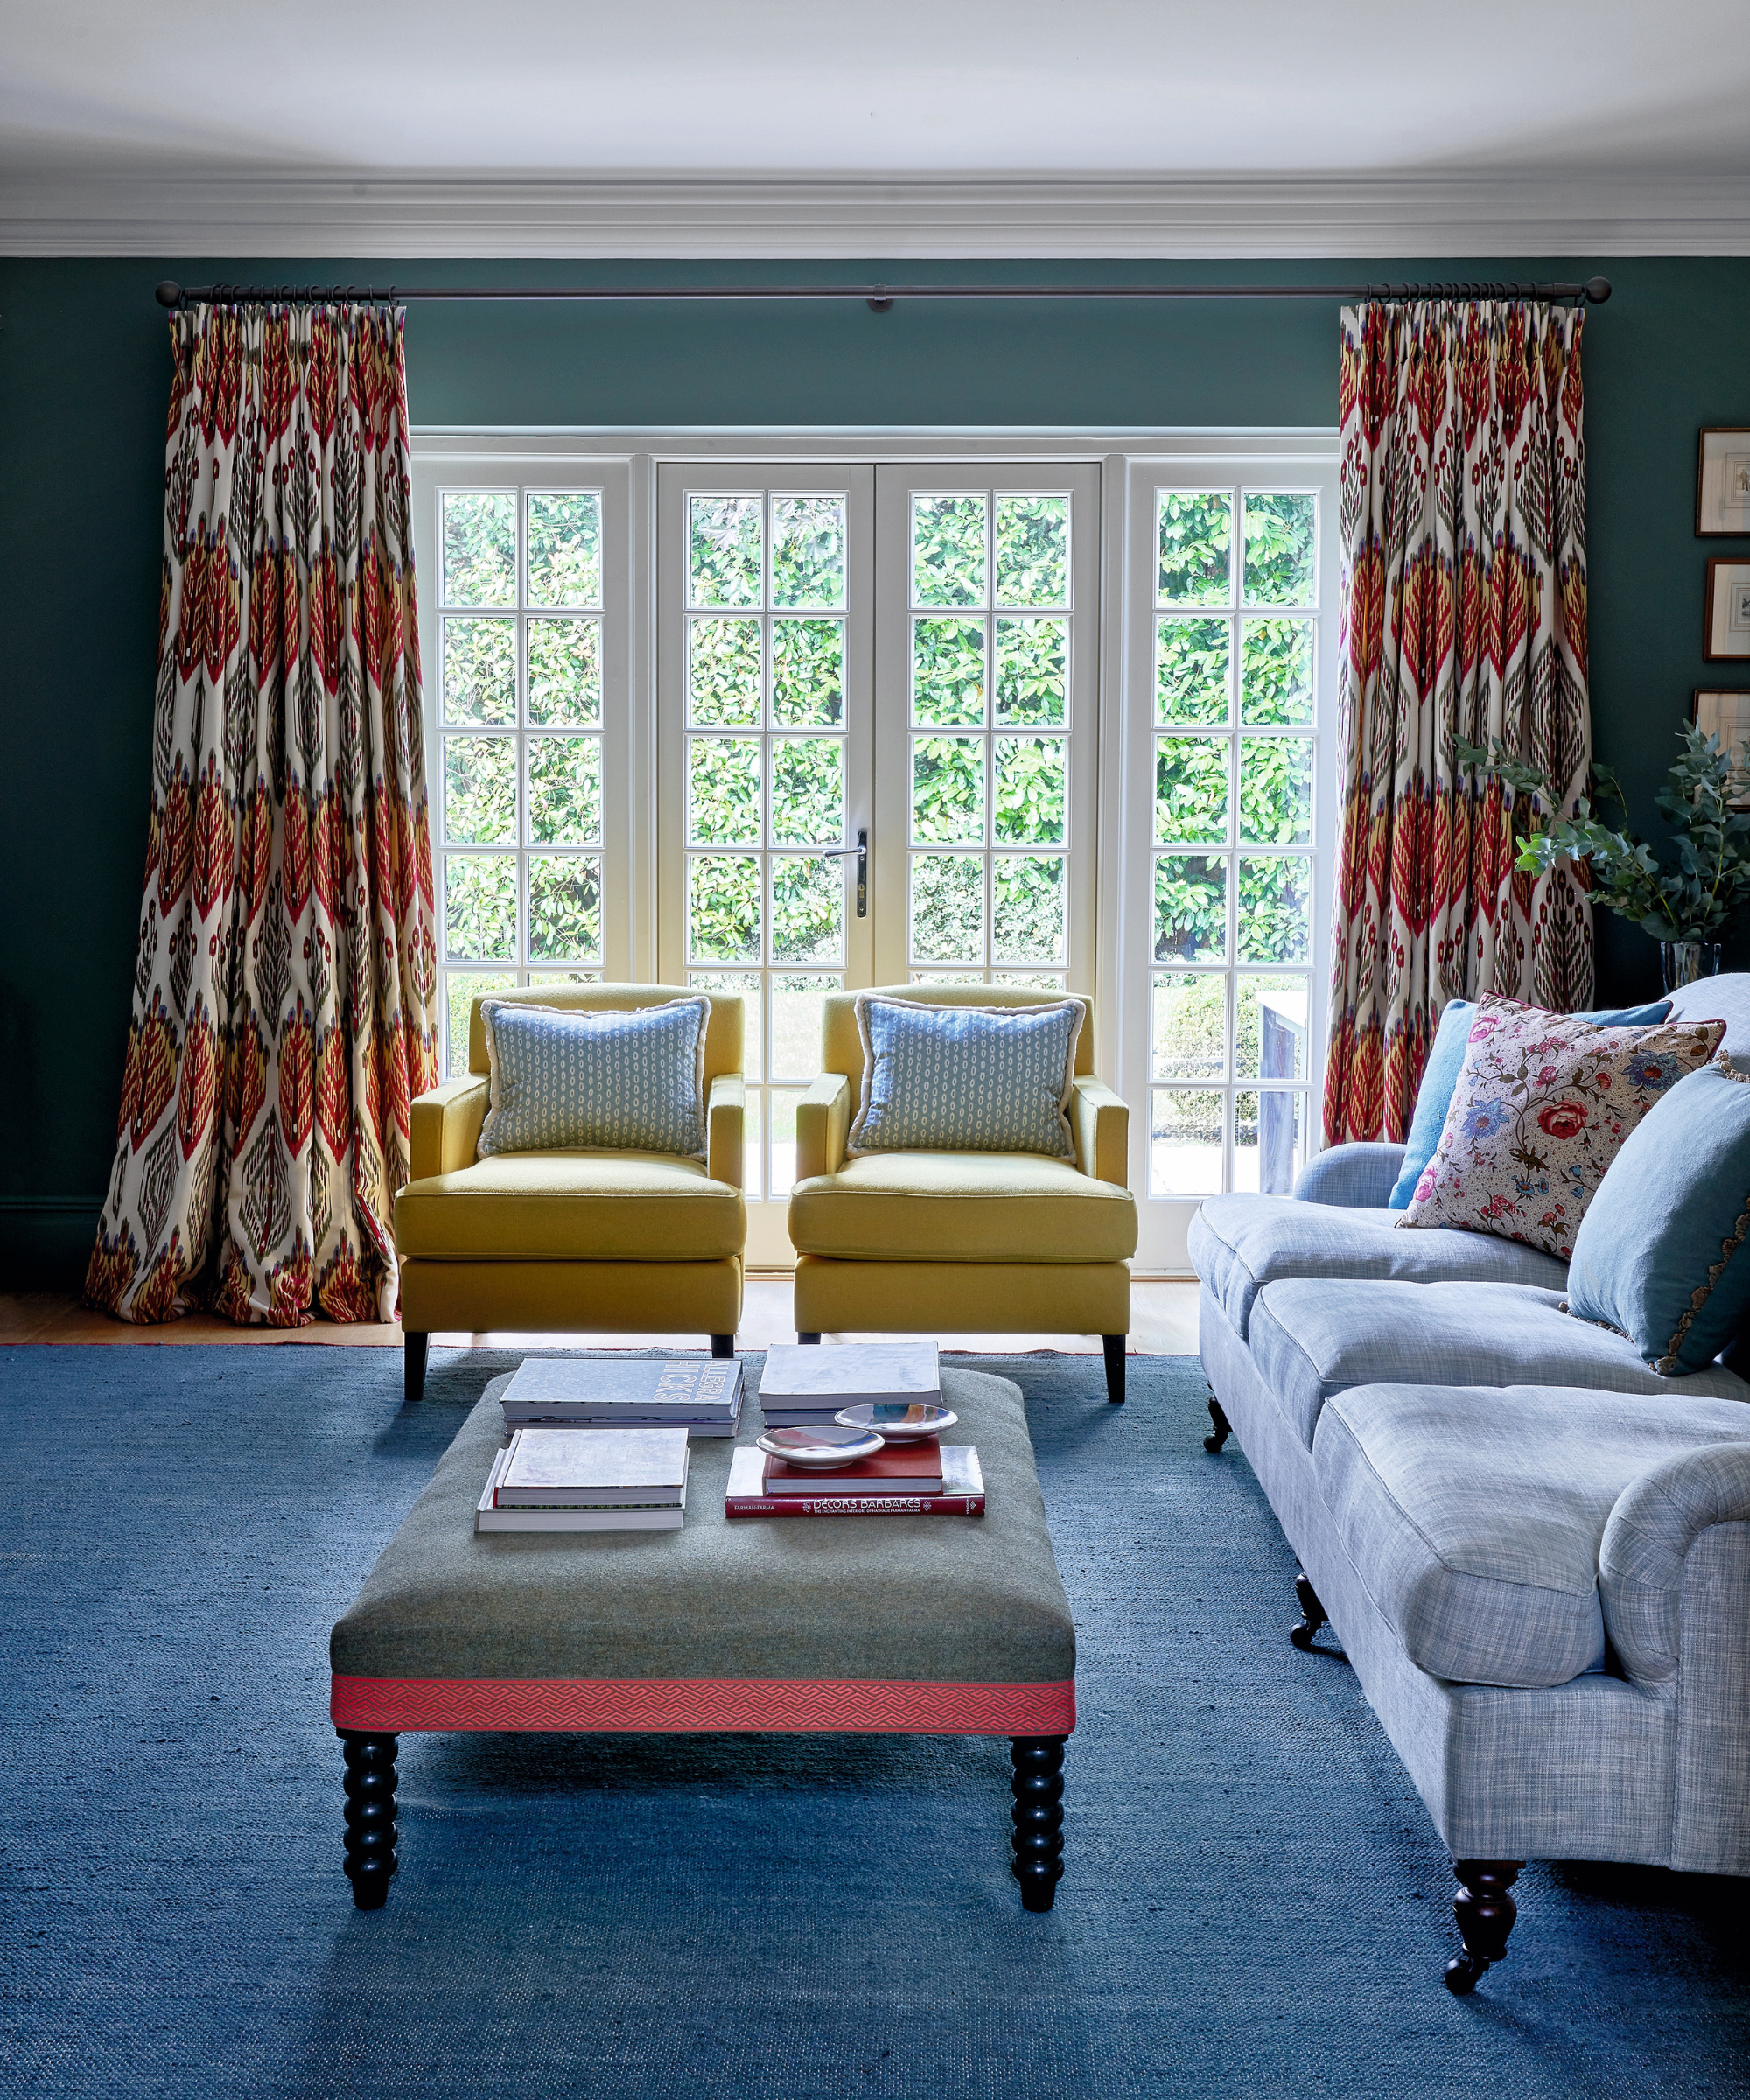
<point>1597,290</point>
<point>169,291</point>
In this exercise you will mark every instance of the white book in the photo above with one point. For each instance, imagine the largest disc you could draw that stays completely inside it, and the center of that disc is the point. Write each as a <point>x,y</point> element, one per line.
<point>810,1374</point>
<point>489,1518</point>
<point>602,1467</point>
<point>605,1389</point>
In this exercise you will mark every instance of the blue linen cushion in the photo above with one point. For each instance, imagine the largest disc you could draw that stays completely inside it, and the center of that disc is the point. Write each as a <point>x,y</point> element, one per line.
<point>1440,1080</point>
<point>1659,1254</point>
<point>966,1079</point>
<point>563,1079</point>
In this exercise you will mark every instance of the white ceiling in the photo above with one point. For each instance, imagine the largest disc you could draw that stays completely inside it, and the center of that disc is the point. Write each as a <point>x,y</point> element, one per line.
<point>128,110</point>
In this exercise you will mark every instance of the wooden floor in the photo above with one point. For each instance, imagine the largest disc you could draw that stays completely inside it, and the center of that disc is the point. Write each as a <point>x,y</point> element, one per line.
<point>1163,1315</point>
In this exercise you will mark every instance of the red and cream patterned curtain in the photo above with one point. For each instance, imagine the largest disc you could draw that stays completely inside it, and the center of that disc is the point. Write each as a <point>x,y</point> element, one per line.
<point>1464,594</point>
<point>283,996</point>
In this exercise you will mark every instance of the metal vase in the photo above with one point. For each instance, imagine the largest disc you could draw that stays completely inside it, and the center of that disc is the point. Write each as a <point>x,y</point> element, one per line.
<point>1684,962</point>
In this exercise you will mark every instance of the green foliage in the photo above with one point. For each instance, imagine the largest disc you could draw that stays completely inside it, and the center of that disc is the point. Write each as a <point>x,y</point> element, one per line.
<point>1696,900</point>
<point>564,548</point>
<point>478,556</point>
<point>1033,551</point>
<point>1279,549</point>
<point>1189,1037</point>
<point>479,790</point>
<point>1276,673</point>
<point>1030,790</point>
<point>480,906</point>
<point>564,673</point>
<point>1032,677</point>
<point>947,790</point>
<point>723,908</point>
<point>1191,671</point>
<point>565,791</point>
<point>722,791</point>
<point>808,908</point>
<point>723,672</point>
<point>808,551</point>
<point>808,674</point>
<point>807,791</point>
<point>947,907</point>
<point>1275,909</point>
<point>1276,791</point>
<point>564,907</point>
<point>461,989</point>
<point>1191,790</point>
<point>948,673</point>
<point>724,548</point>
<point>479,671</point>
<point>1026,908</point>
<point>947,551</point>
<point>1196,547</point>
<point>1190,907</point>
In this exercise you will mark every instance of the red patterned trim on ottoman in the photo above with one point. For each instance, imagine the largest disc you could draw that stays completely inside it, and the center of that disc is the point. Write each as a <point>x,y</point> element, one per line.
<point>394,1704</point>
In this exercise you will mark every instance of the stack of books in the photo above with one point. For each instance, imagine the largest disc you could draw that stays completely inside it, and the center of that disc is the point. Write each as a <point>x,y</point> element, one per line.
<point>598,1392</point>
<point>587,1479</point>
<point>922,1478</point>
<point>804,1385</point>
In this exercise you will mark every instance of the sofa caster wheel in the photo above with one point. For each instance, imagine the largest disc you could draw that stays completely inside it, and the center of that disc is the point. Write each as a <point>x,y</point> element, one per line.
<point>1223,1429</point>
<point>1312,1614</point>
<point>1461,1973</point>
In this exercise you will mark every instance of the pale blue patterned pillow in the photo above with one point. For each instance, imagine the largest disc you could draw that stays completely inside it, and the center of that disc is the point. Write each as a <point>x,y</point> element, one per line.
<point>567,1078</point>
<point>966,1079</point>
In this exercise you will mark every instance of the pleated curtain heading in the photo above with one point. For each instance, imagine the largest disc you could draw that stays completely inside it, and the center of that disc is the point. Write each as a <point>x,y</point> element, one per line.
<point>1462,512</point>
<point>283,1009</point>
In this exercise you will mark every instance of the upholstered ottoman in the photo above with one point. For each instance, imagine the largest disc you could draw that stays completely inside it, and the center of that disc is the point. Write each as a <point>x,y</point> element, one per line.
<point>926,1625</point>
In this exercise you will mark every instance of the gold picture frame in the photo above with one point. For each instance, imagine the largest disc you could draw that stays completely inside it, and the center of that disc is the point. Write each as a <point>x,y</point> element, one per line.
<point>1724,711</point>
<point>1723,484</point>
<point>1726,635</point>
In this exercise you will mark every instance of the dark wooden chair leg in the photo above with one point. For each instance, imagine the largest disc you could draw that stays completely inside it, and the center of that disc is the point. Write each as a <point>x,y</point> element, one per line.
<point>1223,1428</point>
<point>723,1345</point>
<point>415,1349</point>
<point>370,1813</point>
<point>1038,1786</point>
<point>1485,1913</point>
<point>1114,1347</point>
<point>1312,1613</point>
<point>802,1337</point>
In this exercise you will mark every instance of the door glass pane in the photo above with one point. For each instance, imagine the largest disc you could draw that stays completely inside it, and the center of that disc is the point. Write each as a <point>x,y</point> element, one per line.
<point>564,673</point>
<point>565,791</point>
<point>724,548</point>
<point>1027,908</point>
<point>808,674</point>
<point>564,907</point>
<point>1030,784</point>
<point>948,673</point>
<point>480,906</point>
<point>480,548</point>
<point>1270,1018</point>
<point>1189,1037</point>
<point>723,790</point>
<point>723,908</point>
<point>1279,549</point>
<point>480,791</point>
<point>1033,551</point>
<point>1191,790</point>
<point>807,791</point>
<point>1185,1142</point>
<point>807,909</point>
<point>1032,672</point>
<point>724,673</point>
<point>564,548</point>
<point>947,790</point>
<point>1268,1140</point>
<point>1191,908</point>
<point>480,670</point>
<point>1029,980</point>
<point>947,907</point>
<point>947,551</point>
<point>780,1112</point>
<point>1196,547</point>
<point>461,989</point>
<point>1191,671</point>
<point>1276,672</point>
<point>808,551</point>
<point>747,983</point>
<point>1275,910</point>
<point>797,1005</point>
<point>1276,791</point>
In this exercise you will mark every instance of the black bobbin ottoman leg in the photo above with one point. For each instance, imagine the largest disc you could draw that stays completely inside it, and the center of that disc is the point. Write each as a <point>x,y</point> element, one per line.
<point>1037,1785</point>
<point>370,1815</point>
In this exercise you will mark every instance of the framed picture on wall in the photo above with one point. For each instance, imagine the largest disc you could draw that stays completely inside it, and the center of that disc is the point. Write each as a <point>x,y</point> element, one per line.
<point>1727,634</point>
<point>1725,714</point>
<point>1723,484</point>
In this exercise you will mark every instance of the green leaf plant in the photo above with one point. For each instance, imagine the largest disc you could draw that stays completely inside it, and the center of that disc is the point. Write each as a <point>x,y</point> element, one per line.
<point>1699,897</point>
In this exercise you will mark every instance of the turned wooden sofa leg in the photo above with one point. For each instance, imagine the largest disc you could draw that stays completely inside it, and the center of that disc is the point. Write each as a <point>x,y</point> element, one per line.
<point>1223,1429</point>
<point>1485,1913</point>
<point>1114,1347</point>
<point>723,1345</point>
<point>415,1349</point>
<point>1312,1613</point>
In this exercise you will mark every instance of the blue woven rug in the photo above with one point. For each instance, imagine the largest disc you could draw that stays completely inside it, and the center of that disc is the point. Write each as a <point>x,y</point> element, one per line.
<point>1254,1903</point>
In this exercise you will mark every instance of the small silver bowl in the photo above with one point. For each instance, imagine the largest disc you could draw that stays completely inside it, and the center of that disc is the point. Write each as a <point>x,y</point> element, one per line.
<point>898,1420</point>
<point>824,1449</point>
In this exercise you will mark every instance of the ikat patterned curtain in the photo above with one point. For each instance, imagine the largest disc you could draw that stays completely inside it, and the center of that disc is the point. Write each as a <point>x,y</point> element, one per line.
<point>283,996</point>
<point>1464,613</point>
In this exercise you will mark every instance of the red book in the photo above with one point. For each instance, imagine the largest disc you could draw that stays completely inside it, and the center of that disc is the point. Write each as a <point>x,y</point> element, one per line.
<point>962,1495</point>
<point>910,1468</point>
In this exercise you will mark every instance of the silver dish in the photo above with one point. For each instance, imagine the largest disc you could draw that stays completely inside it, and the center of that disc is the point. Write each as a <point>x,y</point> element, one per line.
<point>825,1449</point>
<point>898,1420</point>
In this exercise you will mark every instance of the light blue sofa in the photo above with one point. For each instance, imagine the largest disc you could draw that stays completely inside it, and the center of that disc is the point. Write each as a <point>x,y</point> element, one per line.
<point>1535,1550</point>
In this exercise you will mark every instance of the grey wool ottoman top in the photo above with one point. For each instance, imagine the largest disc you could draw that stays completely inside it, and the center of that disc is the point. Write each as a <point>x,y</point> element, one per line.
<point>935,1624</point>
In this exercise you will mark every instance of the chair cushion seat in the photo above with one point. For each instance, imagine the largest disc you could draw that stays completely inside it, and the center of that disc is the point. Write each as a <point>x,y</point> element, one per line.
<point>1312,1338</point>
<point>1475,1518</point>
<point>962,1207</point>
<point>1239,1243</point>
<point>600,1207</point>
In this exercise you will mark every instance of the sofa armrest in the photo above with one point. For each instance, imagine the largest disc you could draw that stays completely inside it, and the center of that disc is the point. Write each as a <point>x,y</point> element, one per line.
<point>1356,1177</point>
<point>823,1119</point>
<point>727,1107</point>
<point>444,1126</point>
<point>1643,1556</point>
<point>1100,1120</point>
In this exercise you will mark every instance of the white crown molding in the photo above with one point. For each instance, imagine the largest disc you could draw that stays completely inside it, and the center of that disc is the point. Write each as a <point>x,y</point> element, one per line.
<point>448,216</point>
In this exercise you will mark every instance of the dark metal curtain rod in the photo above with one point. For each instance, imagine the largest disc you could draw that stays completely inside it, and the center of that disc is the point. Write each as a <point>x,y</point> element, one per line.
<point>878,297</point>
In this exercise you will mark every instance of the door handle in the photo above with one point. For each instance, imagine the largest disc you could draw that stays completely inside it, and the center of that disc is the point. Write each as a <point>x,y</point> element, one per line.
<point>861,850</point>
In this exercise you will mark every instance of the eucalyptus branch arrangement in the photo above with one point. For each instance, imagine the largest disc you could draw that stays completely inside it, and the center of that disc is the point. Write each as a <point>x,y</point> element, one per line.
<point>1696,900</point>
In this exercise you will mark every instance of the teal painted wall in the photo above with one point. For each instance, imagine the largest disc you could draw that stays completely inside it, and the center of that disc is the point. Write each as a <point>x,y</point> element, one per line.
<point>84,372</point>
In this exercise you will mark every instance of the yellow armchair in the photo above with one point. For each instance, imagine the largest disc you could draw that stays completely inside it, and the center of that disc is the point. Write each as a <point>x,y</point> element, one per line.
<point>903,1243</point>
<point>573,1241</point>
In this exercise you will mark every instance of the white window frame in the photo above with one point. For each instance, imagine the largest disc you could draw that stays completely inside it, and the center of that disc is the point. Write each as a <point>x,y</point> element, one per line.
<point>624,464</point>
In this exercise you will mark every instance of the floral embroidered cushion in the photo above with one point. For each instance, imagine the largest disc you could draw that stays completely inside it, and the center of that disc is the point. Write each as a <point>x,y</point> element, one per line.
<point>1542,1105</point>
